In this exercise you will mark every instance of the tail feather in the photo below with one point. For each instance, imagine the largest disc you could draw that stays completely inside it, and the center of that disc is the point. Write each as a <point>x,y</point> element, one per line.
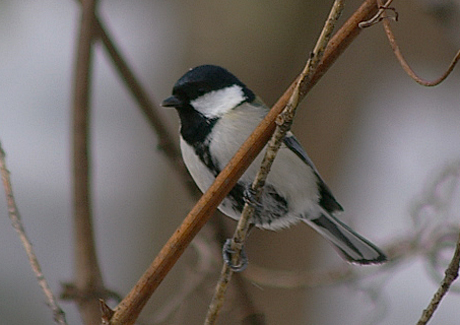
<point>350,245</point>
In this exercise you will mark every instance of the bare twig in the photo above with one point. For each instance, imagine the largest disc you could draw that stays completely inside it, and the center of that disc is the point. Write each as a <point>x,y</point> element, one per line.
<point>450,275</point>
<point>284,123</point>
<point>397,51</point>
<point>378,17</point>
<point>13,212</point>
<point>128,310</point>
<point>106,312</point>
<point>88,278</point>
<point>406,66</point>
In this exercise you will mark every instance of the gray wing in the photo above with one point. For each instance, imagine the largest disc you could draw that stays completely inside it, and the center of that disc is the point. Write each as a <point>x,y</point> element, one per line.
<point>327,200</point>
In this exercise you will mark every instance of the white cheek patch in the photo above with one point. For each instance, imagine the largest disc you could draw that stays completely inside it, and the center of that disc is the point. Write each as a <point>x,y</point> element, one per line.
<point>219,102</point>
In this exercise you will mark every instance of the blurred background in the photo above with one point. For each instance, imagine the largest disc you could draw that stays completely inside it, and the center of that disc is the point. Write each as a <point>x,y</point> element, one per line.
<point>387,147</point>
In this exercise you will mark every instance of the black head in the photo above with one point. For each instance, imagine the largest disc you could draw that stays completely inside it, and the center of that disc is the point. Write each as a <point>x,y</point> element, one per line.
<point>203,80</point>
<point>202,96</point>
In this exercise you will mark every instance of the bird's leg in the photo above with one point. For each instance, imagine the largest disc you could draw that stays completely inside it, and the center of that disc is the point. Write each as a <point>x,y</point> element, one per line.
<point>249,198</point>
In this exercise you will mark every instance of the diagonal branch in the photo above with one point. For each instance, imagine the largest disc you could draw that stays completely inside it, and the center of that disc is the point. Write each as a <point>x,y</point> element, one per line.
<point>284,123</point>
<point>128,310</point>
<point>59,316</point>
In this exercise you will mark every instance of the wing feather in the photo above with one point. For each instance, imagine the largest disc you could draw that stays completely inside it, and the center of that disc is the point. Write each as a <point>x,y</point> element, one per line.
<point>327,200</point>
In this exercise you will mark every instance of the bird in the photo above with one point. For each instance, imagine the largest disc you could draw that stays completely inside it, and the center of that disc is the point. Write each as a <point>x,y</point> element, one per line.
<point>217,113</point>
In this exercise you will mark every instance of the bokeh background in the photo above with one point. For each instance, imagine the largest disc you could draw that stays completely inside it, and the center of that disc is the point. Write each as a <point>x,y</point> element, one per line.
<point>379,139</point>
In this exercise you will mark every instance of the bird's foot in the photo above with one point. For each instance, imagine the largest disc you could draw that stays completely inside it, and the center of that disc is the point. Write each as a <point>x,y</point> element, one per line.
<point>228,253</point>
<point>249,197</point>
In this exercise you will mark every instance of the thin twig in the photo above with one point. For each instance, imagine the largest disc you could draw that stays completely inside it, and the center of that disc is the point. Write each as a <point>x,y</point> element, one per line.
<point>128,310</point>
<point>450,275</point>
<point>13,212</point>
<point>284,123</point>
<point>402,61</point>
<point>88,277</point>
<point>378,17</point>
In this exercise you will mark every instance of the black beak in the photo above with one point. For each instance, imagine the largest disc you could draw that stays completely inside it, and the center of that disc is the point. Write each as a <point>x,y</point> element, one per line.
<point>171,102</point>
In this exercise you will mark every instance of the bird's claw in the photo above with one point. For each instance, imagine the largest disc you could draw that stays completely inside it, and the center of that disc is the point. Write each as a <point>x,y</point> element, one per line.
<point>227,254</point>
<point>249,197</point>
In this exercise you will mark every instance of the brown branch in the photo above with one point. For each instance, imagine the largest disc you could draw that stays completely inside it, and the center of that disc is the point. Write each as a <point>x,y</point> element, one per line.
<point>284,123</point>
<point>450,275</point>
<point>128,310</point>
<point>88,278</point>
<point>402,61</point>
<point>166,142</point>
<point>13,212</point>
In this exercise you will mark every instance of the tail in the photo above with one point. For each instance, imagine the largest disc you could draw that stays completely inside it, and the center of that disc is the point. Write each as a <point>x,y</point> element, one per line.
<point>349,244</point>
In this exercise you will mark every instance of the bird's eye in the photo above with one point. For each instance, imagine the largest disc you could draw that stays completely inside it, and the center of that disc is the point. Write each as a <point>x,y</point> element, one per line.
<point>201,91</point>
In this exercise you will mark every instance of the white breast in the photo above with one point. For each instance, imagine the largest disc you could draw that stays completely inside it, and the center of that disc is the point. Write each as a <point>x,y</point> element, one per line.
<point>289,175</point>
